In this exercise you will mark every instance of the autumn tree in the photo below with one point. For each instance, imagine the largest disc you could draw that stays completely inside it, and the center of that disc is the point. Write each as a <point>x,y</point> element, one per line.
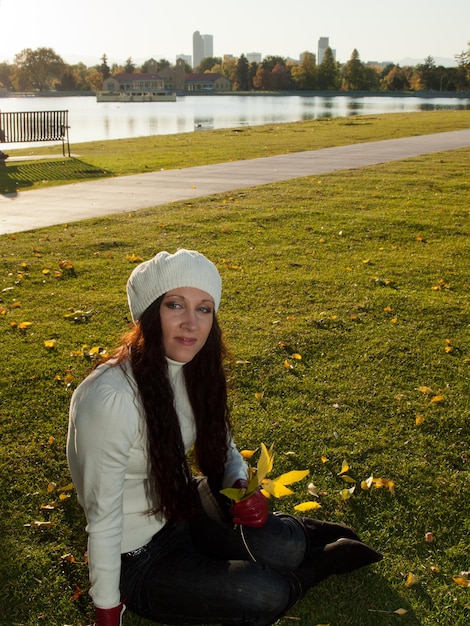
<point>281,78</point>
<point>263,79</point>
<point>353,73</point>
<point>37,69</point>
<point>305,74</point>
<point>428,76</point>
<point>328,76</point>
<point>207,64</point>
<point>397,79</point>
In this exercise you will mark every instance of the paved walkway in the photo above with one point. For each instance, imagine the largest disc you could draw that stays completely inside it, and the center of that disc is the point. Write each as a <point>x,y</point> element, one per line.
<point>28,210</point>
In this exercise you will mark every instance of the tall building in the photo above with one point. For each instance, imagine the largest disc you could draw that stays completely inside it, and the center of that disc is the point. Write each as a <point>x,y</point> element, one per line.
<point>323,44</point>
<point>203,46</point>
<point>253,57</point>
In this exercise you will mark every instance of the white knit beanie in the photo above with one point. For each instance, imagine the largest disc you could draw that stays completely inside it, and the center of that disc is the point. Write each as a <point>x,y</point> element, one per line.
<point>186,268</point>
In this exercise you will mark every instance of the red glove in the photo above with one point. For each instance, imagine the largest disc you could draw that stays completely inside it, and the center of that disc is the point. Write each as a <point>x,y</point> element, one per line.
<point>252,511</point>
<point>109,617</point>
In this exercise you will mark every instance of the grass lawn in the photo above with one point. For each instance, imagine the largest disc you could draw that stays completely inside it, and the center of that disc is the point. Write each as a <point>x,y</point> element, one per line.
<point>364,274</point>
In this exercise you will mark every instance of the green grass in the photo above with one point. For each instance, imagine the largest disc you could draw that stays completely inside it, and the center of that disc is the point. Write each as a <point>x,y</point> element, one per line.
<point>365,274</point>
<point>132,156</point>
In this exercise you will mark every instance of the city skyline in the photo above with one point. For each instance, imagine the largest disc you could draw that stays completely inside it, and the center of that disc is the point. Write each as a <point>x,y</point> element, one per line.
<point>85,31</point>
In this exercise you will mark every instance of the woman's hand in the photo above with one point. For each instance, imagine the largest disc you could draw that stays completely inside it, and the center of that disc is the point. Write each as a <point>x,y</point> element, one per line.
<point>252,511</point>
<point>109,617</point>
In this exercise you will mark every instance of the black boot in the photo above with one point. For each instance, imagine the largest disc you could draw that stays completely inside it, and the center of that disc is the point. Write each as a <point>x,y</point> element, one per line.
<point>340,557</point>
<point>320,533</point>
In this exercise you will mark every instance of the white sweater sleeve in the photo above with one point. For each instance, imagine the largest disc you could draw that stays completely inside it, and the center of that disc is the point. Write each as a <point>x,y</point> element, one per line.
<point>104,424</point>
<point>235,466</point>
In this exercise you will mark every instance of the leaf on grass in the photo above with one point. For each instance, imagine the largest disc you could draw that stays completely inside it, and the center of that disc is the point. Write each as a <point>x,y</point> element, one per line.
<point>411,580</point>
<point>419,420</point>
<point>24,325</point>
<point>347,493</point>
<point>67,487</point>
<point>39,524</point>
<point>367,483</point>
<point>133,258</point>
<point>425,389</point>
<point>401,611</point>
<point>437,399</point>
<point>462,582</point>
<point>324,459</point>
<point>307,506</point>
<point>348,479</point>
<point>313,490</point>
<point>50,487</point>
<point>287,365</point>
<point>297,356</point>
<point>344,468</point>
<point>247,454</point>
<point>50,343</point>
<point>79,317</point>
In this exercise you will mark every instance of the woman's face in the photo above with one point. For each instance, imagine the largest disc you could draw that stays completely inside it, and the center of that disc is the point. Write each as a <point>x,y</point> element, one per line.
<point>186,316</point>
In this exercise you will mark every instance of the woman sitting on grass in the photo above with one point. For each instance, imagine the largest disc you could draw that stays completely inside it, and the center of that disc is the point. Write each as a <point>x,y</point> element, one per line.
<point>161,542</point>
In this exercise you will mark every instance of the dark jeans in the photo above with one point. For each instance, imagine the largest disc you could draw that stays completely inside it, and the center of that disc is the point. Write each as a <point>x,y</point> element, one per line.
<point>206,572</point>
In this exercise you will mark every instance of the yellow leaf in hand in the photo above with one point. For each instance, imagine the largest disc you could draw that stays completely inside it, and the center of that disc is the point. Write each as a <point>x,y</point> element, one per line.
<point>273,488</point>
<point>265,463</point>
<point>291,477</point>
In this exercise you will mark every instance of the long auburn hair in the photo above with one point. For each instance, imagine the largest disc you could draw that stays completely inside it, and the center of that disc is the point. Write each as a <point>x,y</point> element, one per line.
<point>170,484</point>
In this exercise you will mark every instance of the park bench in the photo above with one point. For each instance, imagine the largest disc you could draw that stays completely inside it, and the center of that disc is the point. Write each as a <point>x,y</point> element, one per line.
<point>31,126</point>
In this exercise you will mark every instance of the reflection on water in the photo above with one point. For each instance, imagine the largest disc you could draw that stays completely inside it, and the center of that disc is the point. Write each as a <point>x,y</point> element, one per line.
<point>92,121</point>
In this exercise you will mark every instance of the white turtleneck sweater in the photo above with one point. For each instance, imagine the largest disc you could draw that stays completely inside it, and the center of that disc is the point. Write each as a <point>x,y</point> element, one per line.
<point>107,456</point>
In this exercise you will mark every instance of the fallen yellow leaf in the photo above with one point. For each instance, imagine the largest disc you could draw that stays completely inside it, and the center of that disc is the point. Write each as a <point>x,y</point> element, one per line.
<point>307,506</point>
<point>462,582</point>
<point>411,580</point>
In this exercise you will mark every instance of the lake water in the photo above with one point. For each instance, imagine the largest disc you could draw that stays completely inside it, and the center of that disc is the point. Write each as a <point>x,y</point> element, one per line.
<point>92,121</point>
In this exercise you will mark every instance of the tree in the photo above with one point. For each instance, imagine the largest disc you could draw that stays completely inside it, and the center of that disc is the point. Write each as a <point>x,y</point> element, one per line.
<point>463,70</point>
<point>263,79</point>
<point>104,67</point>
<point>281,78</point>
<point>397,79</point>
<point>354,73</point>
<point>6,71</point>
<point>305,74</point>
<point>129,67</point>
<point>242,81</point>
<point>328,72</point>
<point>37,69</point>
<point>428,77</point>
<point>207,63</point>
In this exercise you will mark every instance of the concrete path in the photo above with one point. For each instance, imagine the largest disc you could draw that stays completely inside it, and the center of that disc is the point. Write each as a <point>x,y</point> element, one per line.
<point>28,210</point>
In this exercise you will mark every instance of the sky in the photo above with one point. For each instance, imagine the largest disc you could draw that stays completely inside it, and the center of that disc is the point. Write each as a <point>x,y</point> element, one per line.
<point>380,30</point>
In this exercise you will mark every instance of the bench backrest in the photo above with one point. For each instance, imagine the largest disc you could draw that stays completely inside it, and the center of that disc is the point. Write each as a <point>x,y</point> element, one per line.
<point>26,126</point>
<point>29,126</point>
